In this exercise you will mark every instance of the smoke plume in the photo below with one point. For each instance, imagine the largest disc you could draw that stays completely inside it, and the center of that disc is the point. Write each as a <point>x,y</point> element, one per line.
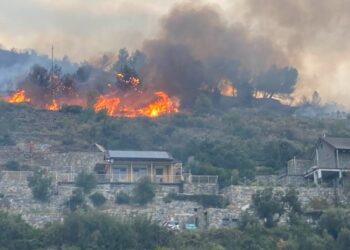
<point>197,47</point>
<point>314,36</point>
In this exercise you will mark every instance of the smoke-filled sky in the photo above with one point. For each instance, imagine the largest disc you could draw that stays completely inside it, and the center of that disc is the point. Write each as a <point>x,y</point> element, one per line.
<point>310,35</point>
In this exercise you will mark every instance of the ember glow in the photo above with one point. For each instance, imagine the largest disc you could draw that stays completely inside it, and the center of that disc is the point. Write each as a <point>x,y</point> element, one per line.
<point>18,97</point>
<point>128,80</point>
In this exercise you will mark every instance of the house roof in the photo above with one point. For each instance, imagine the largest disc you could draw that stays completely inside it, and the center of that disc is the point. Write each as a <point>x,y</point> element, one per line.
<point>139,155</point>
<point>337,142</point>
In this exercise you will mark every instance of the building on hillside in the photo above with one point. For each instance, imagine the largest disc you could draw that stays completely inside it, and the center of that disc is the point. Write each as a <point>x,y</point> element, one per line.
<point>130,166</point>
<point>331,159</point>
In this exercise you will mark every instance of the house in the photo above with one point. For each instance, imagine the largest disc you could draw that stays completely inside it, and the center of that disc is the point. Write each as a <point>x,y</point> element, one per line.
<point>331,159</point>
<point>130,166</point>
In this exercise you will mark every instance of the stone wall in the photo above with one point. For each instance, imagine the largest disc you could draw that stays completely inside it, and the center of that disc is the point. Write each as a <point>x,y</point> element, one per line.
<point>200,188</point>
<point>295,181</point>
<point>240,196</point>
<point>41,156</point>
<point>17,198</point>
<point>73,161</point>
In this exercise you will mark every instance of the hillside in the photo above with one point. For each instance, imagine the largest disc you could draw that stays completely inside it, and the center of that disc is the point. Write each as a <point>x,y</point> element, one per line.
<point>214,142</point>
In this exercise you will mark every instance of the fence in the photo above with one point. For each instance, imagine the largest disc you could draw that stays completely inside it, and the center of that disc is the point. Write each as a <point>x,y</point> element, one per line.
<point>16,175</point>
<point>201,179</point>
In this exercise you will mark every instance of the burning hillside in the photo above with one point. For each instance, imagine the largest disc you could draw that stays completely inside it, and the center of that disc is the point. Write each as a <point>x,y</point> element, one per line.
<point>125,97</point>
<point>195,51</point>
<point>159,104</point>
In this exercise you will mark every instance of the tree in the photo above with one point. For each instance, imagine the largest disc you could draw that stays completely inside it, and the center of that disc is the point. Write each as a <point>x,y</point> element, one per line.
<point>333,220</point>
<point>97,199</point>
<point>123,59</point>
<point>12,166</point>
<point>77,200</point>
<point>268,205</point>
<point>277,80</point>
<point>316,99</point>
<point>343,240</point>
<point>86,181</point>
<point>144,191</point>
<point>40,184</point>
<point>39,76</point>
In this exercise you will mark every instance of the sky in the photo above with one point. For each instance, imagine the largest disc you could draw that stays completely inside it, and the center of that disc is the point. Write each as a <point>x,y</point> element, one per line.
<point>313,34</point>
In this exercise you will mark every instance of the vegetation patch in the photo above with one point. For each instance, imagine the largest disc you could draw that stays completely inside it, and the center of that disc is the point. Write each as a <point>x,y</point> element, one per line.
<point>206,200</point>
<point>97,199</point>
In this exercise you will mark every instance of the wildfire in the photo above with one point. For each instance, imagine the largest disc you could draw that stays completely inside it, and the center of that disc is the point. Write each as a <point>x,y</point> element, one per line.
<point>53,106</point>
<point>162,105</point>
<point>126,80</point>
<point>226,88</point>
<point>134,81</point>
<point>128,105</point>
<point>108,103</point>
<point>18,97</point>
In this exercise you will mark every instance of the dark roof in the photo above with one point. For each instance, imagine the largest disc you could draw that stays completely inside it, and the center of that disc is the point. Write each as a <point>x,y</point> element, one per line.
<point>338,143</point>
<point>139,155</point>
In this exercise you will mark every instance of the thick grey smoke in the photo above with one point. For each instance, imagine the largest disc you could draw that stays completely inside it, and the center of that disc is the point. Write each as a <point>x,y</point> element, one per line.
<point>197,47</point>
<point>314,35</point>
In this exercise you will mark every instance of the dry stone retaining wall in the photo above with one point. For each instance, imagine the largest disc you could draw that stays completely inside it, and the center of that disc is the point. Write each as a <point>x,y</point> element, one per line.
<point>17,198</point>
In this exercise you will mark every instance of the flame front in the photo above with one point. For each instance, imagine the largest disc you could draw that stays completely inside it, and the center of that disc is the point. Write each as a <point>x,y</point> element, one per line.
<point>105,102</point>
<point>161,106</point>
<point>128,105</point>
<point>18,97</point>
<point>53,106</point>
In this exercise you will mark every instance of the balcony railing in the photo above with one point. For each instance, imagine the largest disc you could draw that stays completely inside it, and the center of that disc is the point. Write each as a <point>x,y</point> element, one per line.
<point>200,179</point>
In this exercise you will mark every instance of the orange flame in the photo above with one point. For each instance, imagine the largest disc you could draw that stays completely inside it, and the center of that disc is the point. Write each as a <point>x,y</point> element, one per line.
<point>53,106</point>
<point>163,105</point>
<point>226,88</point>
<point>18,97</point>
<point>108,103</point>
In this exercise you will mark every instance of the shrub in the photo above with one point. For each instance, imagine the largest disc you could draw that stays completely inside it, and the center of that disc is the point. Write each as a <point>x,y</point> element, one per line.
<point>74,109</point>
<point>77,200</point>
<point>12,166</point>
<point>86,181</point>
<point>123,198</point>
<point>206,200</point>
<point>319,204</point>
<point>144,191</point>
<point>6,140</point>
<point>267,205</point>
<point>97,199</point>
<point>40,184</point>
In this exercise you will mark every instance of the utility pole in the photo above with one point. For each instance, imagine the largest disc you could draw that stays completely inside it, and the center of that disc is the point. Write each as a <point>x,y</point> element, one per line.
<point>52,59</point>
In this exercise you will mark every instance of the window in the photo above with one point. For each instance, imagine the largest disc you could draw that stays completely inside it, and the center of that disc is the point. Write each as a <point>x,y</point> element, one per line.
<point>120,174</point>
<point>159,171</point>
